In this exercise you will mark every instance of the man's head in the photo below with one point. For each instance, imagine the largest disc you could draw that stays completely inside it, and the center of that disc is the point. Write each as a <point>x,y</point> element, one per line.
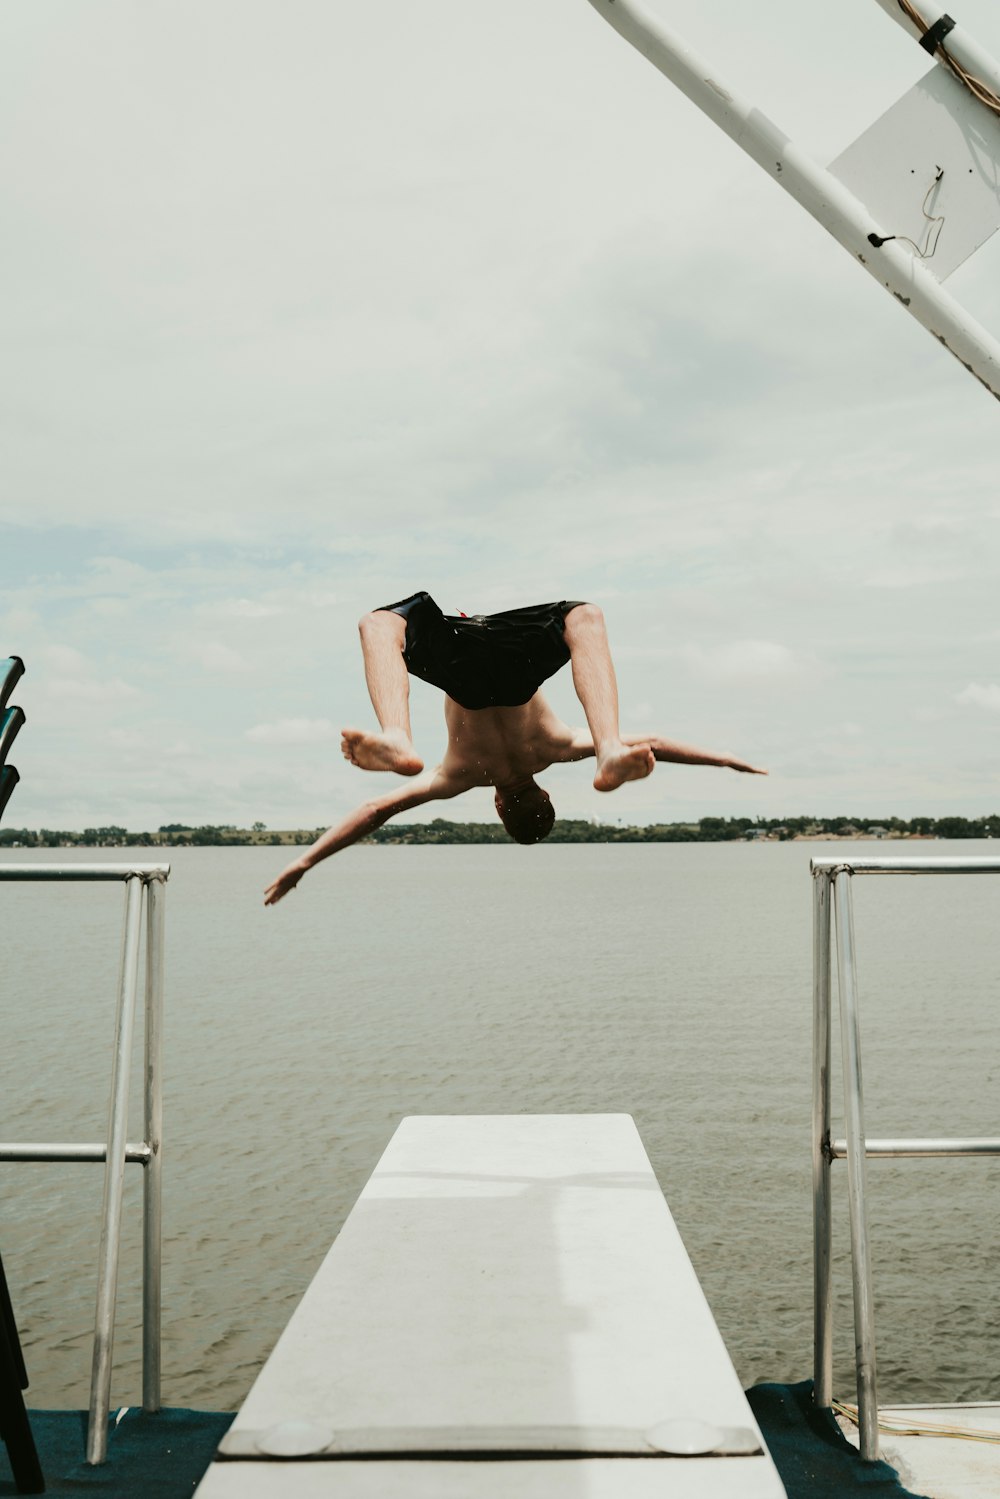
<point>526,812</point>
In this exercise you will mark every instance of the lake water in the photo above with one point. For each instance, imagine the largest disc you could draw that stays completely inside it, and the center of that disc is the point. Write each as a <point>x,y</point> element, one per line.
<point>671,982</point>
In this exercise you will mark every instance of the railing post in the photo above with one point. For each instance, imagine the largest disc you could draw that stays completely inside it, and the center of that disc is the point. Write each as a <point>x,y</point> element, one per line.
<point>821,1162</point>
<point>145,885</point>
<point>850,1031</point>
<point>152,1178</point>
<point>114,1179</point>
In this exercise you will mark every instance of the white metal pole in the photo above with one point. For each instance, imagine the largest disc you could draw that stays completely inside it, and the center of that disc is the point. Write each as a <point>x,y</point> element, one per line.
<point>874,864</point>
<point>152,1183</point>
<point>81,871</point>
<point>861,1262</point>
<point>815,188</point>
<point>822,1207</point>
<point>36,1151</point>
<point>114,1181</point>
<point>921,1149</point>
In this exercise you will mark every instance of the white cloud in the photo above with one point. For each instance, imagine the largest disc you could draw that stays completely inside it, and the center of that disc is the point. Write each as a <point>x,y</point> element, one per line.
<point>248,609</point>
<point>128,739</point>
<point>979,695</point>
<point>91,688</point>
<point>216,657</point>
<point>66,658</point>
<point>913,575</point>
<point>745,660</point>
<point>294,731</point>
<point>69,673</point>
<point>122,574</point>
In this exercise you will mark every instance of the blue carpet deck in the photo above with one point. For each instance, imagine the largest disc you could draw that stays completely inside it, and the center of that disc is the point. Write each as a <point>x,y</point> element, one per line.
<point>149,1457</point>
<point>164,1456</point>
<point>814,1458</point>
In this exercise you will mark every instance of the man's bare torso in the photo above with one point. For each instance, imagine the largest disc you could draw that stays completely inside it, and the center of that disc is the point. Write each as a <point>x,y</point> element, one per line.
<point>506,746</point>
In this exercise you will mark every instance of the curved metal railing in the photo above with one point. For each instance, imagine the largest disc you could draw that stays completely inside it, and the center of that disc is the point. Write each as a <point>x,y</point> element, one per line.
<point>145,886</point>
<point>833,911</point>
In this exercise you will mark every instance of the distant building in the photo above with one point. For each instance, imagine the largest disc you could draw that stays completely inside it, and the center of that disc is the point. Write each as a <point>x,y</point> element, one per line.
<point>877,832</point>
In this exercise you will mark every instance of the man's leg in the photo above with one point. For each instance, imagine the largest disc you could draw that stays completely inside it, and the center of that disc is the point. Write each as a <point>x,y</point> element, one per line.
<point>383,636</point>
<point>597,689</point>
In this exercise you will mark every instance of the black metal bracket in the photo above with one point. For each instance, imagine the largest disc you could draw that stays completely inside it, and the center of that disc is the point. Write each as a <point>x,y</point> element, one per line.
<point>935,35</point>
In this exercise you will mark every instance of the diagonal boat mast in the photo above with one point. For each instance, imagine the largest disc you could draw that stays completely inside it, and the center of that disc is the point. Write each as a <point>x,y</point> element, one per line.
<point>898,263</point>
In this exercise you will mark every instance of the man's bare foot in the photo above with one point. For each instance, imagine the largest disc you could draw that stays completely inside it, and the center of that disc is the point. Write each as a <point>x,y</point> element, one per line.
<point>624,763</point>
<point>387,750</point>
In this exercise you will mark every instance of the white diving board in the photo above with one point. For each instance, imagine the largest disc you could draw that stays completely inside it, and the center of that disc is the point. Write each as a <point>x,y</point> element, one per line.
<point>511,1290</point>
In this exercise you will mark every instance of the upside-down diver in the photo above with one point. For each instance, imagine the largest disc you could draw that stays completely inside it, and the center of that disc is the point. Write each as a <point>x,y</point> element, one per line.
<point>501,731</point>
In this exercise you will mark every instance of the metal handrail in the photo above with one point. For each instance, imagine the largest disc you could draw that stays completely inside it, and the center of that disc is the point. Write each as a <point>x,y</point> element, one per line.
<point>832,904</point>
<point>919,1149</point>
<point>140,880</point>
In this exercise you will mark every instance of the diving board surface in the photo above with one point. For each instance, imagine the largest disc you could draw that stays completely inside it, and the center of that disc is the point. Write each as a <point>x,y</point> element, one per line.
<point>515,1280</point>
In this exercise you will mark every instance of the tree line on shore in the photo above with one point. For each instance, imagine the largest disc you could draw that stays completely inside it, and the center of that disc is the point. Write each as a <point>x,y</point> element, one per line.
<point>566,830</point>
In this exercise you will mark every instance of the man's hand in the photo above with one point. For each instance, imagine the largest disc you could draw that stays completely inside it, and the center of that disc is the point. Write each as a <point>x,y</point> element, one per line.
<point>287,880</point>
<point>743,765</point>
<point>365,819</point>
<point>688,754</point>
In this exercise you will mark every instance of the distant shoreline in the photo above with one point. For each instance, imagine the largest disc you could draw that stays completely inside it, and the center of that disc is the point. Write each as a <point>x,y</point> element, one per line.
<point>440,831</point>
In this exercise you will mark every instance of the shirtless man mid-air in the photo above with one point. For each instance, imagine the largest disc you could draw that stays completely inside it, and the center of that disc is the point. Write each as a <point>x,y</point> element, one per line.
<point>501,731</point>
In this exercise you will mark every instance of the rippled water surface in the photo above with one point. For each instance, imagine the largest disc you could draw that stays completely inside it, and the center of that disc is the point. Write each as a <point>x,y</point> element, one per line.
<point>672,982</point>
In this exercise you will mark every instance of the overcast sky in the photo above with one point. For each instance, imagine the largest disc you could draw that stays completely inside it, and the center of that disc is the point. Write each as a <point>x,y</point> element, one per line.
<point>309,305</point>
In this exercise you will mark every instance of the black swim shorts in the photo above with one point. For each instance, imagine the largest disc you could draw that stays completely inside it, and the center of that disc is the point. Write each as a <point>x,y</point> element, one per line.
<point>486,660</point>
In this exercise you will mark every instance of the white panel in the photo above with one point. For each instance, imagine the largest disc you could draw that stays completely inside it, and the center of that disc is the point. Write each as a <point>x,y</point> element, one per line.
<point>590,1478</point>
<point>892,168</point>
<point>503,1271</point>
<point>943,1464</point>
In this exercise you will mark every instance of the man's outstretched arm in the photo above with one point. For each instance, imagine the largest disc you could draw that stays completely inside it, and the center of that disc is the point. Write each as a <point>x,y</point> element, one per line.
<point>687,754</point>
<point>357,824</point>
<point>579,745</point>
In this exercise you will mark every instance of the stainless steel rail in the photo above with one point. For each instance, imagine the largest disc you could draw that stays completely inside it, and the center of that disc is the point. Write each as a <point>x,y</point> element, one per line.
<point>99,1152</point>
<point>833,908</point>
<point>144,885</point>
